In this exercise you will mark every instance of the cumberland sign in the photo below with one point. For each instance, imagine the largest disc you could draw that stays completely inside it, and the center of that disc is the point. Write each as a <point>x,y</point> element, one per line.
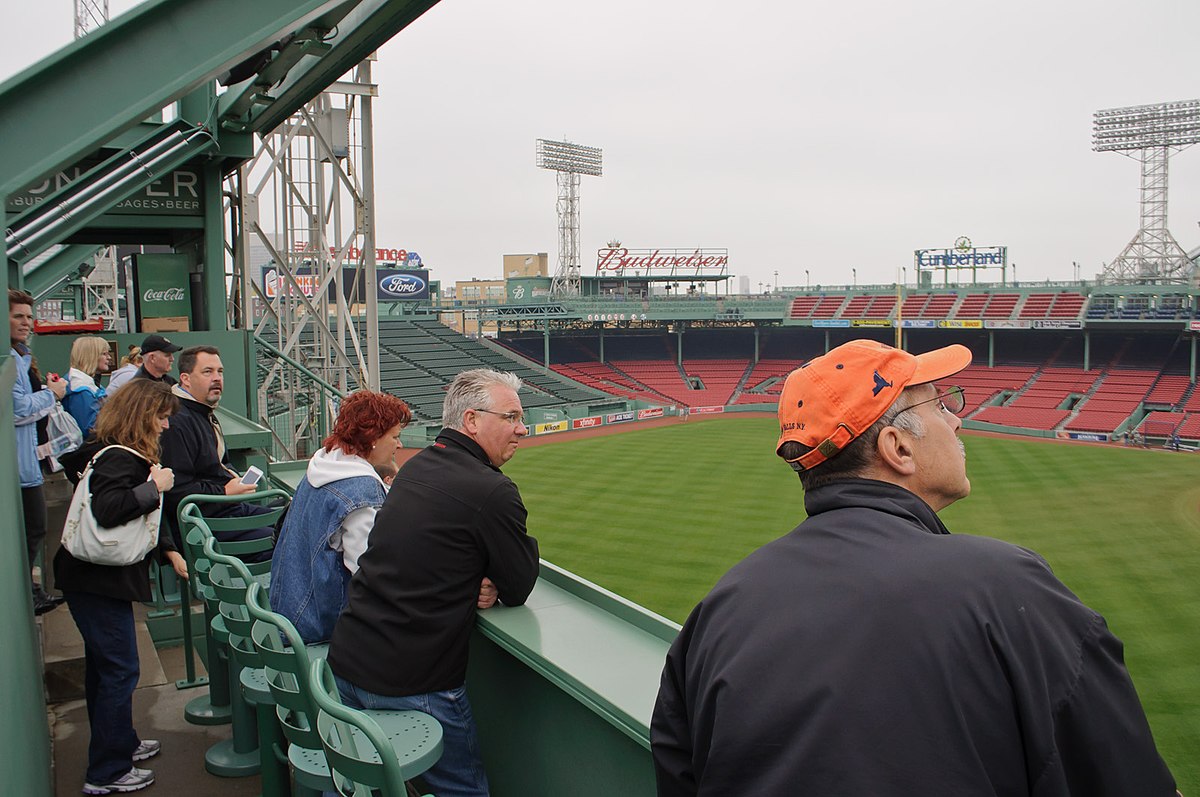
<point>671,262</point>
<point>961,257</point>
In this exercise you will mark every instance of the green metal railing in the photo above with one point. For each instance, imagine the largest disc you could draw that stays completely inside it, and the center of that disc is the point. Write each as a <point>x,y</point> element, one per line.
<point>297,405</point>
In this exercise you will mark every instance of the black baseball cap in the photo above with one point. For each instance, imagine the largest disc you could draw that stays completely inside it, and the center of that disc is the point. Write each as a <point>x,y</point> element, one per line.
<point>158,343</point>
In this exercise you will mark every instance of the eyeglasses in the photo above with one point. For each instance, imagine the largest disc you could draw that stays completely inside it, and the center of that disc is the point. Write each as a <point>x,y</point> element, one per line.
<point>953,401</point>
<point>516,417</point>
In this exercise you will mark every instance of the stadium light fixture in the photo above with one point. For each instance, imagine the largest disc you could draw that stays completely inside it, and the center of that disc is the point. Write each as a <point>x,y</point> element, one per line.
<point>1149,133</point>
<point>570,161</point>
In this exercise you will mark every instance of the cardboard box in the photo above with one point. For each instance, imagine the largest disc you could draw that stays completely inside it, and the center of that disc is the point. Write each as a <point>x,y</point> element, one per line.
<point>175,323</point>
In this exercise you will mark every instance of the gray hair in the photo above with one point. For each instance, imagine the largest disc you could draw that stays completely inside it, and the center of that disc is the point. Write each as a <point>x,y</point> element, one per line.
<point>852,461</point>
<point>473,390</point>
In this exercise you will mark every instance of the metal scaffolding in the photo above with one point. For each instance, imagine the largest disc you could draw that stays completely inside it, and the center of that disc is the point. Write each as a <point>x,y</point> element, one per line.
<point>304,259</point>
<point>1149,134</point>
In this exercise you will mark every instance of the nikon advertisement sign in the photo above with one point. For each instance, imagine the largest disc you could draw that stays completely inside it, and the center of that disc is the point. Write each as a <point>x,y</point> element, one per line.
<point>161,283</point>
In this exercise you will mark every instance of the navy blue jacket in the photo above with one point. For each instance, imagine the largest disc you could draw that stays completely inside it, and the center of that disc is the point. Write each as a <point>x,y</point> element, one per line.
<point>871,652</point>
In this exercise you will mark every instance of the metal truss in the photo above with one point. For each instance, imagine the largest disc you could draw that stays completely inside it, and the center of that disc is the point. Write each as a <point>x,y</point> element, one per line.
<point>567,280</point>
<point>303,255</point>
<point>1153,256</point>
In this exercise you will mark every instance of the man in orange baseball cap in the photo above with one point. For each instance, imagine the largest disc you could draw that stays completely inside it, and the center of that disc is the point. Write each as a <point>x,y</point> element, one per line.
<point>872,652</point>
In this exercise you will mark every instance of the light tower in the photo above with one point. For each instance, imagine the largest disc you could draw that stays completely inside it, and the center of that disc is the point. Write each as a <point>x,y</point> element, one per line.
<point>1149,133</point>
<point>569,161</point>
<point>100,286</point>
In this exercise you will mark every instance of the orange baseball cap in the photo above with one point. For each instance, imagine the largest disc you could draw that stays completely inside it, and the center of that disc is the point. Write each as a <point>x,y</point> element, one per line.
<point>832,399</point>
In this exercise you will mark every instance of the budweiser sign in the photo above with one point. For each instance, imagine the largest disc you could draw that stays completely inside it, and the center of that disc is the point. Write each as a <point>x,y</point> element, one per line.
<point>694,261</point>
<point>167,295</point>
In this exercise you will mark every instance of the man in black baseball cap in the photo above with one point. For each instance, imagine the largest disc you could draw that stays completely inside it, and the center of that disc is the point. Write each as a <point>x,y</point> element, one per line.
<point>158,355</point>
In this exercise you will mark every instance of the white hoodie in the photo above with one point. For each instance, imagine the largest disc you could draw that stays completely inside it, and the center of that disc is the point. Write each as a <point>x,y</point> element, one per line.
<point>332,466</point>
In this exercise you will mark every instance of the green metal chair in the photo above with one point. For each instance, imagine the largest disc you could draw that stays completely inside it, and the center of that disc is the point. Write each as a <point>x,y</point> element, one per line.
<point>237,756</point>
<point>287,661</point>
<point>363,759</point>
<point>230,578</point>
<point>213,709</point>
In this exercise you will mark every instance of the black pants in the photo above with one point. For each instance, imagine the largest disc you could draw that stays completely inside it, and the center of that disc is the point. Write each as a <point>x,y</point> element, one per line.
<point>33,502</point>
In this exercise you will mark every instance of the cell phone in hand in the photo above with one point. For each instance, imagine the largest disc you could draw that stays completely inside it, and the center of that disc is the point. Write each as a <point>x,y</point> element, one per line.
<point>252,476</point>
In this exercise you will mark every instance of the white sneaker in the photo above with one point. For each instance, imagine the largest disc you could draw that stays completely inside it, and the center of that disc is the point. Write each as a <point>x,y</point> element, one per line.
<point>148,748</point>
<point>133,780</point>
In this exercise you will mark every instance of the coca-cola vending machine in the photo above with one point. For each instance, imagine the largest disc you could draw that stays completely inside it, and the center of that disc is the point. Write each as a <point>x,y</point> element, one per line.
<point>160,283</point>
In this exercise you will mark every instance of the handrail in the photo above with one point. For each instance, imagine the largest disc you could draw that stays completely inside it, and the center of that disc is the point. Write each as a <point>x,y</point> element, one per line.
<point>276,353</point>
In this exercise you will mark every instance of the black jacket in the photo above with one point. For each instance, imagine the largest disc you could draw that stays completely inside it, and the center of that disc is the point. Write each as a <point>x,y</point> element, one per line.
<point>142,373</point>
<point>871,652</point>
<point>120,492</point>
<point>450,519</point>
<point>189,447</point>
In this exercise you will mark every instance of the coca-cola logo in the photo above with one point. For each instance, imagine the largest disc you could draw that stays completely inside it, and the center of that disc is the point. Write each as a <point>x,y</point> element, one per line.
<point>167,295</point>
<point>401,285</point>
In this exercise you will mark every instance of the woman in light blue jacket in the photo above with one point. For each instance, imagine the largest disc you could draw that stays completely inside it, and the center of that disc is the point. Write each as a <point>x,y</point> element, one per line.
<point>28,406</point>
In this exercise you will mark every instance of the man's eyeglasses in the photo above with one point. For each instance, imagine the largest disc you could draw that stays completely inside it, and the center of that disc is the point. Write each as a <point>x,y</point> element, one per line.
<point>953,401</point>
<point>515,417</point>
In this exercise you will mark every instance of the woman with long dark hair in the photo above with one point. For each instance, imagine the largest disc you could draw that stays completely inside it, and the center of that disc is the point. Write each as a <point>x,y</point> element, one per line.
<point>124,485</point>
<point>326,527</point>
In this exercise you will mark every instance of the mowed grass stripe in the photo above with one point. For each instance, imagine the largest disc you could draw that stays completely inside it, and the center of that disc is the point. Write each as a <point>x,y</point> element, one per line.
<point>658,515</point>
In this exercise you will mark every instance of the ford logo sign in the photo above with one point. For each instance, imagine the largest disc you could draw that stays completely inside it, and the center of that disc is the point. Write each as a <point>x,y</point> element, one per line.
<point>401,286</point>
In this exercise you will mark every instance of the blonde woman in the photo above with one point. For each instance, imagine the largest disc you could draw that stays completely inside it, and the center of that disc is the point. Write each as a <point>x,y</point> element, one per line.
<point>130,363</point>
<point>89,358</point>
<point>124,485</point>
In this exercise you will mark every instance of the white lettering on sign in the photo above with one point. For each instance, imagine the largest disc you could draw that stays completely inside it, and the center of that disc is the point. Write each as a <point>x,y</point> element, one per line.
<point>166,295</point>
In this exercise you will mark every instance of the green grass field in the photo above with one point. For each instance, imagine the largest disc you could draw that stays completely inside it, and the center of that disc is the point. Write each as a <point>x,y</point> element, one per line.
<point>658,515</point>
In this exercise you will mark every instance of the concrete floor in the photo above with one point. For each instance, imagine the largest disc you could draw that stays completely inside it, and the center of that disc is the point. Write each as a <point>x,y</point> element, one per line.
<point>157,710</point>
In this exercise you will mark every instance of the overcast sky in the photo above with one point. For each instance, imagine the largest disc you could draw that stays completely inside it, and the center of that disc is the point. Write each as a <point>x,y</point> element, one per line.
<point>818,136</point>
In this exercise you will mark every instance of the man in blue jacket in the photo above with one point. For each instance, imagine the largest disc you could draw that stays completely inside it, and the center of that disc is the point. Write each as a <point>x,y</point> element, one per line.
<point>29,405</point>
<point>872,652</point>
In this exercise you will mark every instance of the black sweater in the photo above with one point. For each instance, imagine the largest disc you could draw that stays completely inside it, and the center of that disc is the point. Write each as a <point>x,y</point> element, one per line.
<point>189,448</point>
<point>871,652</point>
<point>121,492</point>
<point>450,519</point>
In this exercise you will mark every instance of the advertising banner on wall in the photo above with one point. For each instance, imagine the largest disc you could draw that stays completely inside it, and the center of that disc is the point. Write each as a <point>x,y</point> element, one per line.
<point>162,285</point>
<point>961,323</point>
<point>830,322</point>
<point>179,193</point>
<point>1051,323</point>
<point>554,426</point>
<point>654,412</point>
<point>871,322</point>
<point>707,410</point>
<point>1091,437</point>
<point>586,423</point>
<point>402,285</point>
<point>1005,324</point>
<point>918,323</point>
<point>619,417</point>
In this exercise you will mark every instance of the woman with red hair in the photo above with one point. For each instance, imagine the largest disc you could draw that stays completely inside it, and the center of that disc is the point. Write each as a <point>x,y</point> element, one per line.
<point>326,527</point>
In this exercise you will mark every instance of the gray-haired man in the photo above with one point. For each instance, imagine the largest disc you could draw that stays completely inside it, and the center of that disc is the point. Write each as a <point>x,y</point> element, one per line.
<point>450,538</point>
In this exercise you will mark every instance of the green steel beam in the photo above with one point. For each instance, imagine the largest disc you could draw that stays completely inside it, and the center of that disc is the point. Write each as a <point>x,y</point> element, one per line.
<point>75,205</point>
<point>254,105</point>
<point>79,98</point>
<point>53,271</point>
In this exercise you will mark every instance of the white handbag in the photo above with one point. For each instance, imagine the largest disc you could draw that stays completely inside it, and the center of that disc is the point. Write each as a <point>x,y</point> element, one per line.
<point>86,540</point>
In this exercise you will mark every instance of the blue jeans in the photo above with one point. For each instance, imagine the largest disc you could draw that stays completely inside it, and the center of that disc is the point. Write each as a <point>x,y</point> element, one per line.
<point>459,772</point>
<point>111,657</point>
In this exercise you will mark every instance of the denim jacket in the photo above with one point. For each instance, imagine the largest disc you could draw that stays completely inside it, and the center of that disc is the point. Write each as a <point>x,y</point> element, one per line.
<point>28,404</point>
<point>308,576</point>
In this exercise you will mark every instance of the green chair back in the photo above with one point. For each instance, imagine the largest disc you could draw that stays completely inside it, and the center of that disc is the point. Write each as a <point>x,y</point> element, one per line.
<point>190,509</point>
<point>286,662</point>
<point>361,759</point>
<point>230,578</point>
